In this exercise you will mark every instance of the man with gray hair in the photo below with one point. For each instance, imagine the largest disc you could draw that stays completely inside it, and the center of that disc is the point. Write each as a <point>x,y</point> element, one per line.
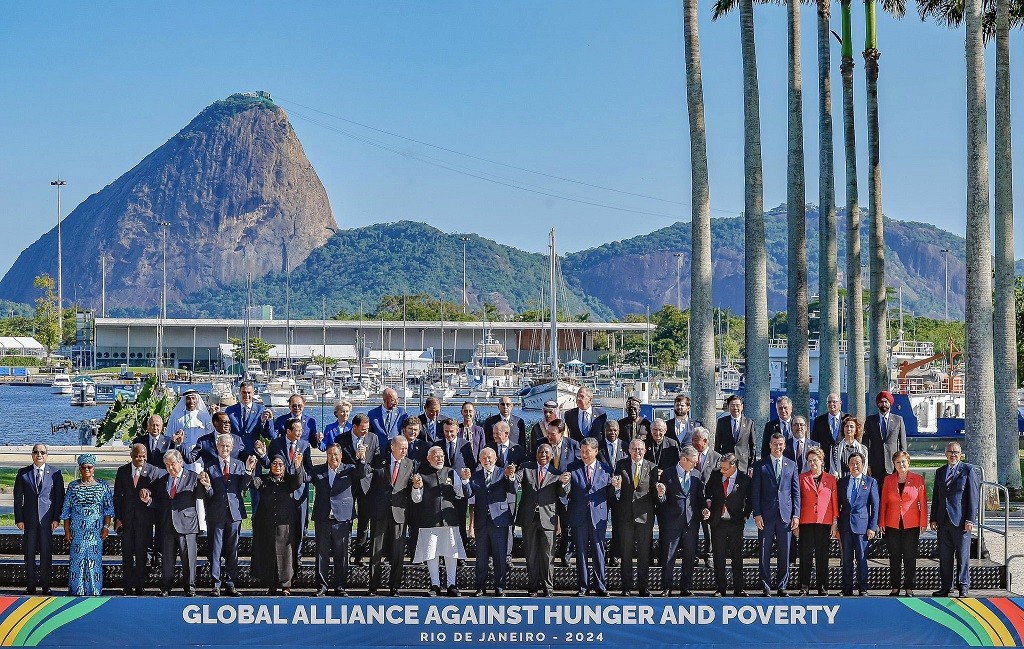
<point>781,424</point>
<point>707,462</point>
<point>227,480</point>
<point>681,507</point>
<point>662,450</point>
<point>585,420</point>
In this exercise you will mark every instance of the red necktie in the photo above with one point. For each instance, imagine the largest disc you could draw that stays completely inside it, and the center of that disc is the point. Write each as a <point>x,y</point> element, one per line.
<point>291,451</point>
<point>135,479</point>
<point>394,475</point>
<point>725,490</point>
<point>590,475</point>
<point>174,487</point>
<point>226,470</point>
<point>541,482</point>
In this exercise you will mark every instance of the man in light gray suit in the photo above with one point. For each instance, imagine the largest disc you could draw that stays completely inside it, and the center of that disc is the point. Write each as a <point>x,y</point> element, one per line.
<point>884,435</point>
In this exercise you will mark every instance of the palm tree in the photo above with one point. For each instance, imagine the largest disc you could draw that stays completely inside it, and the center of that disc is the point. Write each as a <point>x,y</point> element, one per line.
<point>855,388</point>
<point>828,284</point>
<point>755,283</point>
<point>702,340</point>
<point>798,364</point>
<point>878,359</point>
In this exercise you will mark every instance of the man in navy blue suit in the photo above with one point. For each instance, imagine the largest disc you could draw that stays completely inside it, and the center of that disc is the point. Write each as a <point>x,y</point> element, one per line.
<point>38,501</point>
<point>680,505</point>
<point>858,523</point>
<point>955,501</point>
<point>332,516</point>
<point>776,500</point>
<point>387,419</point>
<point>206,447</point>
<point>494,491</point>
<point>516,425</point>
<point>589,491</point>
<point>798,443</point>
<point>290,445</point>
<point>227,480</point>
<point>297,407</point>
<point>246,419</point>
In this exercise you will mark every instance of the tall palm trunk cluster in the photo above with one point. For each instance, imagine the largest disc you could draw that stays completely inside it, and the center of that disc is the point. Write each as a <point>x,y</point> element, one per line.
<point>991,335</point>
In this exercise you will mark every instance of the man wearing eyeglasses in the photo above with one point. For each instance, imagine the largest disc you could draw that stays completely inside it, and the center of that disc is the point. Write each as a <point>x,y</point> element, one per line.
<point>38,501</point>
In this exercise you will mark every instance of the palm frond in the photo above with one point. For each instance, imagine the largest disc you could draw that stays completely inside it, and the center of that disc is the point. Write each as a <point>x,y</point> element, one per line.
<point>895,8</point>
<point>722,7</point>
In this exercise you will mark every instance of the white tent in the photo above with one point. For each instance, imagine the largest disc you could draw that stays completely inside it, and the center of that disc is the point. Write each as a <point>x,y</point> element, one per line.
<point>21,346</point>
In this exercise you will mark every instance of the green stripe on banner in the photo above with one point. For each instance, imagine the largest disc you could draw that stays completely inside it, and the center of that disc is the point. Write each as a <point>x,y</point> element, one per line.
<point>39,617</point>
<point>939,615</point>
<point>965,616</point>
<point>70,614</point>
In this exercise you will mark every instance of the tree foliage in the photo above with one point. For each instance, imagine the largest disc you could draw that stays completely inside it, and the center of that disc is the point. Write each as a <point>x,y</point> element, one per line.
<point>47,331</point>
<point>259,349</point>
<point>126,419</point>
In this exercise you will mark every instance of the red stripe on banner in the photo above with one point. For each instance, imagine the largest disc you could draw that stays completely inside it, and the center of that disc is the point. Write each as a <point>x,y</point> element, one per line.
<point>1013,613</point>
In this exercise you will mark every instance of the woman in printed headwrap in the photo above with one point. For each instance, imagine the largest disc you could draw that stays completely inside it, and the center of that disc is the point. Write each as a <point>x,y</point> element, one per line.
<point>88,510</point>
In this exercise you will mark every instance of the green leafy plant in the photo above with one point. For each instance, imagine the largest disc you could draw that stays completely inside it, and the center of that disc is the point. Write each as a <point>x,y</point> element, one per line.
<point>126,418</point>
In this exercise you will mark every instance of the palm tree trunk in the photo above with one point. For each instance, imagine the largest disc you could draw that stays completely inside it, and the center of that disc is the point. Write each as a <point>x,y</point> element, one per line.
<point>755,283</point>
<point>828,284</point>
<point>878,358</point>
<point>980,422</point>
<point>798,365</point>
<point>1005,339</point>
<point>856,404</point>
<point>702,340</point>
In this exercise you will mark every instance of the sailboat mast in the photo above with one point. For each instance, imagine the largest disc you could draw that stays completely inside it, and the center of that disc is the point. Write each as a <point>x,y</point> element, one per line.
<point>554,308</point>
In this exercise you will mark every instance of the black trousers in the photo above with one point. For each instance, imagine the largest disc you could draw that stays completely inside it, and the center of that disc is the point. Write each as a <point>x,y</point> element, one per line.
<point>727,543</point>
<point>361,546</point>
<point>387,534</point>
<point>902,545</point>
<point>136,538</point>
<point>332,538</point>
<point>38,540</point>
<point>635,547</point>
<point>815,539</point>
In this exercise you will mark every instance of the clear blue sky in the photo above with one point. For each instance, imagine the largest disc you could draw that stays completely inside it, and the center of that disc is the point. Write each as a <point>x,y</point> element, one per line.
<point>592,91</point>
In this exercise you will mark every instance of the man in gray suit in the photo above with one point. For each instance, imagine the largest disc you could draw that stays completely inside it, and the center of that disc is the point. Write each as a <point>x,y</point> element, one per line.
<point>175,495</point>
<point>734,434</point>
<point>542,488</point>
<point>884,435</point>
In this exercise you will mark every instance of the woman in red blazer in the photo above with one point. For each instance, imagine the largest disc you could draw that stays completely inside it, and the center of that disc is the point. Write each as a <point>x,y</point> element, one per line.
<point>903,514</point>
<point>819,510</point>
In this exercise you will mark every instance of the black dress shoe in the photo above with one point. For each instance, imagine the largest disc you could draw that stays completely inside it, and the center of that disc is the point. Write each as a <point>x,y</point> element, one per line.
<point>613,561</point>
<point>909,593</point>
<point>741,593</point>
<point>964,592</point>
<point>393,592</point>
<point>719,593</point>
<point>601,593</point>
<point>941,593</point>
<point>822,592</point>
<point>126,591</point>
<point>30,591</point>
<point>479,592</point>
<point>371,592</point>
<point>215,592</point>
<point>626,593</point>
<point>895,592</point>
<point>320,592</point>
<point>547,592</point>
<point>165,593</point>
<point>581,593</point>
<point>231,591</point>
<point>782,593</point>
<point>191,592</point>
<point>46,591</point>
<point>685,593</point>
<point>644,592</point>
<point>862,593</point>
<point>433,591</point>
<point>847,593</point>
<point>453,591</point>
<point>766,593</point>
<point>499,592</point>
<point>340,592</point>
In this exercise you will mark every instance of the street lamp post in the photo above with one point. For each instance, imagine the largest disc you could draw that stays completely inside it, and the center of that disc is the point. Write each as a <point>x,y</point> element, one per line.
<point>60,265</point>
<point>164,227</point>
<point>679,270</point>
<point>465,284</point>
<point>945,258</point>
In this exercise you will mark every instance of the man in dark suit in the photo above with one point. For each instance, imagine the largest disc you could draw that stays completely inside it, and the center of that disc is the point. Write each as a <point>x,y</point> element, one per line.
<point>707,461</point>
<point>884,435</point>
<point>634,486</point>
<point>505,451</point>
<point>517,427</point>
<point>611,449</point>
<point>781,424</point>
<point>418,447</point>
<point>494,493</point>
<point>431,420</point>
<point>858,523</point>
<point>589,492</point>
<point>387,419</point>
<point>585,420</point>
<point>206,447</point>
<point>734,434</point>
<point>350,443</point>
<point>634,424</point>
<point>776,498</point>
<point>297,410</point>
<point>246,420</point>
<point>662,451</point>
<point>542,488</point>
<point>38,501</point>
<point>333,502</point>
<point>680,498</point>
<point>729,491</point>
<point>681,426</point>
<point>539,431</point>
<point>458,455</point>
<point>797,444</point>
<point>955,501</point>
<point>564,452</point>
<point>175,495</point>
<point>156,442</point>
<point>827,427</point>
<point>133,521</point>
<point>389,488</point>
<point>228,479</point>
<point>289,445</point>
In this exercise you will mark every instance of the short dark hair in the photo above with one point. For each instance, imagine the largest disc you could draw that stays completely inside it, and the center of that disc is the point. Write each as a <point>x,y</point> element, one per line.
<point>291,422</point>
<point>733,397</point>
<point>557,423</point>
<point>360,419</point>
<point>220,414</point>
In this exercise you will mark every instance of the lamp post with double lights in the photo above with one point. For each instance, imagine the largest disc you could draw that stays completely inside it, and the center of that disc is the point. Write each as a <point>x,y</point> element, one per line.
<point>60,265</point>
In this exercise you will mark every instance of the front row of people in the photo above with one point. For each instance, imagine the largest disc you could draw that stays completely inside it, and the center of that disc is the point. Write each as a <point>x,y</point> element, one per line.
<point>812,508</point>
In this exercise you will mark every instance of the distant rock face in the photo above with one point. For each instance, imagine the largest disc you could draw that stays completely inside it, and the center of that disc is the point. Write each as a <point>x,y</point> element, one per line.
<point>237,190</point>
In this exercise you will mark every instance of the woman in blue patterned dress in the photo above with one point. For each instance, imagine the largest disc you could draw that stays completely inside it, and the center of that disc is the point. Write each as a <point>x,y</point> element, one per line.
<point>88,510</point>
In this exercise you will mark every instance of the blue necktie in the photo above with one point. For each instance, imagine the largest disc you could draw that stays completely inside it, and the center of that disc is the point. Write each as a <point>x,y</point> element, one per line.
<point>885,429</point>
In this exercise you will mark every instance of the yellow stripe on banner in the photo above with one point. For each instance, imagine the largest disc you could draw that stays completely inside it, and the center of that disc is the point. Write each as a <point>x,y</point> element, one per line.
<point>19,617</point>
<point>996,629</point>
